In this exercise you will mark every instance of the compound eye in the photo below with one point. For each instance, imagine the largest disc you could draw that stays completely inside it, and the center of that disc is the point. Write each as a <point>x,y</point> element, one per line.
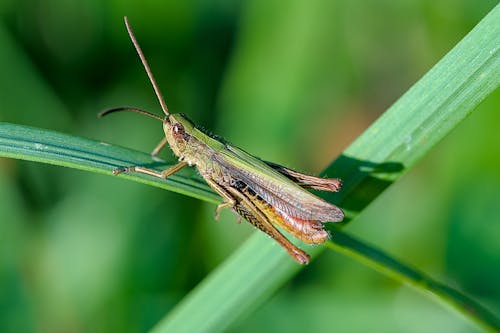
<point>178,130</point>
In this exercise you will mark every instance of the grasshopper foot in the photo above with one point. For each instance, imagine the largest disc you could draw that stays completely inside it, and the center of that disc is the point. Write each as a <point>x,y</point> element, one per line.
<point>117,171</point>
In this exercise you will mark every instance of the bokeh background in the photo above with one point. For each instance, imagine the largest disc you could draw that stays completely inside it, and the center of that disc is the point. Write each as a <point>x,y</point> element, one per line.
<point>291,81</point>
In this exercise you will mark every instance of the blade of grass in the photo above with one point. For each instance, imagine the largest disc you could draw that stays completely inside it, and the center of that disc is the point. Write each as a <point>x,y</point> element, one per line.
<point>32,144</point>
<point>435,105</point>
<point>380,261</point>
<point>394,143</point>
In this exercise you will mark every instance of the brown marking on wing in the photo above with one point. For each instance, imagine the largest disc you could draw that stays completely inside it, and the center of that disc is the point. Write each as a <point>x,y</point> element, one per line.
<point>307,181</point>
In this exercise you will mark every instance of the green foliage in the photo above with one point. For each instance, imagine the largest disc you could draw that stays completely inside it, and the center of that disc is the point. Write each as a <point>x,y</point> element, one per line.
<point>54,148</point>
<point>390,147</point>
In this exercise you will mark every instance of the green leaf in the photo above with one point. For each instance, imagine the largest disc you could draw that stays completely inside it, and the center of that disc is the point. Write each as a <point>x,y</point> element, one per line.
<point>39,145</point>
<point>389,148</point>
<point>382,262</point>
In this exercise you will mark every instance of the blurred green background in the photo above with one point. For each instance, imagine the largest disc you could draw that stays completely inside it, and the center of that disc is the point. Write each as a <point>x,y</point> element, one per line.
<point>291,81</point>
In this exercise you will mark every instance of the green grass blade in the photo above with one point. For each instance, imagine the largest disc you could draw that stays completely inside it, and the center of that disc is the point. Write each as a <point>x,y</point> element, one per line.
<point>382,262</point>
<point>50,147</point>
<point>447,94</point>
<point>395,142</point>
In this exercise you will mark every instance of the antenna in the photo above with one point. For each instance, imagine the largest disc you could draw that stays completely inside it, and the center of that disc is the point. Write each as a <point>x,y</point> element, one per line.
<point>126,108</point>
<point>146,66</point>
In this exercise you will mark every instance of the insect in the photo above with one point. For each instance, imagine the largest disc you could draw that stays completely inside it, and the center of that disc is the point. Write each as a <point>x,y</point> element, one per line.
<point>267,195</point>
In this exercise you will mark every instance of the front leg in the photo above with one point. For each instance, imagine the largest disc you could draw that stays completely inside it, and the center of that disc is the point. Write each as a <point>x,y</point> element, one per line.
<point>159,147</point>
<point>160,174</point>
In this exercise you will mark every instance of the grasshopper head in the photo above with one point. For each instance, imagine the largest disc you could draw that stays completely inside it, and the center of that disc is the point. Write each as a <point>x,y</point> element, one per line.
<point>178,129</point>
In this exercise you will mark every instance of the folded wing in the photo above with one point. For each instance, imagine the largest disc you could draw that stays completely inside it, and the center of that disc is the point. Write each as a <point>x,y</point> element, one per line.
<point>275,188</point>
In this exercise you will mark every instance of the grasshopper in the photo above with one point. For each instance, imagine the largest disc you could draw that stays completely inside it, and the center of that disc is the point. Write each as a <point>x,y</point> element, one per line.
<point>266,194</point>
